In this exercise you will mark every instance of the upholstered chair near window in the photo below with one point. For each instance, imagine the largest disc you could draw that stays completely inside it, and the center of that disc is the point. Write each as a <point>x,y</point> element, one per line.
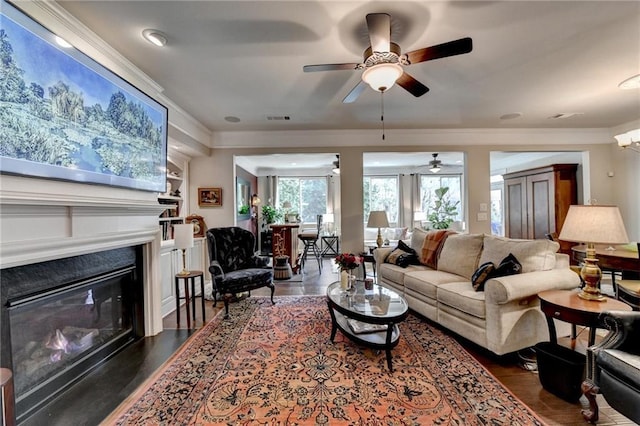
<point>234,266</point>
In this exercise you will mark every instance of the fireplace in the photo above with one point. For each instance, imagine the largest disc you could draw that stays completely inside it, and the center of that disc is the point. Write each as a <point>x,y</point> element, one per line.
<point>64,317</point>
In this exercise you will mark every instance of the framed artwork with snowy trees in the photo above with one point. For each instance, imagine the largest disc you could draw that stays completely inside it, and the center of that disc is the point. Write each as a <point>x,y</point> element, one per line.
<point>65,116</point>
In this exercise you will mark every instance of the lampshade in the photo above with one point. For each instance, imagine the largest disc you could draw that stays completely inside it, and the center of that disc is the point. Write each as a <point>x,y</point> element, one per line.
<point>378,219</point>
<point>286,205</point>
<point>419,215</point>
<point>382,76</point>
<point>594,224</point>
<point>327,218</point>
<point>435,169</point>
<point>255,200</point>
<point>183,236</point>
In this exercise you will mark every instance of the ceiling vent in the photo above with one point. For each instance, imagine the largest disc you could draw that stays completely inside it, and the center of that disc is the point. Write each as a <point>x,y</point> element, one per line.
<point>278,117</point>
<point>564,115</point>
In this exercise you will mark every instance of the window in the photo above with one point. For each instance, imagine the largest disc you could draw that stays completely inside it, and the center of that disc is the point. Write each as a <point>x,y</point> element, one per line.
<point>429,184</point>
<point>497,205</point>
<point>381,193</point>
<point>307,195</point>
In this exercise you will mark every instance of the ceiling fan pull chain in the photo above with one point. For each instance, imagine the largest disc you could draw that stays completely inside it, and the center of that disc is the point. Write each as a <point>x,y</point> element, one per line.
<point>382,111</point>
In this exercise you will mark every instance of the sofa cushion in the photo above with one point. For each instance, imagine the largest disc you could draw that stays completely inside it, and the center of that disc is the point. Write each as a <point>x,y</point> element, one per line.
<point>481,275</point>
<point>426,282</point>
<point>396,274</point>
<point>431,247</point>
<point>461,296</point>
<point>534,255</point>
<point>460,253</point>
<point>417,239</point>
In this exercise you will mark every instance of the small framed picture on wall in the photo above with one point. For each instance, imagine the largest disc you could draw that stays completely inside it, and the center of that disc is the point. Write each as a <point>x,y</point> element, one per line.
<point>210,197</point>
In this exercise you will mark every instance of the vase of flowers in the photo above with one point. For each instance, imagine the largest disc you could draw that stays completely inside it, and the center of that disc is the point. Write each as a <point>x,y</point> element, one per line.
<point>347,263</point>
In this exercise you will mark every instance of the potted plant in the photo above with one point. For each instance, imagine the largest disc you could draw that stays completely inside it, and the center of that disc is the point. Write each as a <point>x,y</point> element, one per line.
<point>443,210</point>
<point>270,215</point>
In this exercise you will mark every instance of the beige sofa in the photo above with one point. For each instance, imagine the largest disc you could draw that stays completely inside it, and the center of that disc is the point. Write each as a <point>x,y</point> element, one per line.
<point>503,318</point>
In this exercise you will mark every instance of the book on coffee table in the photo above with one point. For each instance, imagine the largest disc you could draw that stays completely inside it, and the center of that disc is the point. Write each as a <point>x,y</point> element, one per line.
<point>359,327</point>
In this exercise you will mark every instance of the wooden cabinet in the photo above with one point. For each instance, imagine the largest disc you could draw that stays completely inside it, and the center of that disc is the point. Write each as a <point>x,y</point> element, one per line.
<point>537,200</point>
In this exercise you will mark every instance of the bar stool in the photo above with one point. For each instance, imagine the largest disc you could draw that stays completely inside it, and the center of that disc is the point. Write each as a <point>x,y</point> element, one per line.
<point>310,241</point>
<point>189,297</point>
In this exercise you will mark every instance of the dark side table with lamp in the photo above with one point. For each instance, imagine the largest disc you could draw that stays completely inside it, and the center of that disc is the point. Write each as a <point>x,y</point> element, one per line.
<point>561,369</point>
<point>183,240</point>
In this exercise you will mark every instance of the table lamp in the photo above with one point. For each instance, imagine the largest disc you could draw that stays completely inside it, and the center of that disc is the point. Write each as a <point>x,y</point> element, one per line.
<point>328,219</point>
<point>593,225</point>
<point>378,219</point>
<point>183,239</point>
<point>419,216</point>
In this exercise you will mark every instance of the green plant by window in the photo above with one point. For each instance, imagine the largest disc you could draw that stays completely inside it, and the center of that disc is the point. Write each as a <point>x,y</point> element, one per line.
<point>270,214</point>
<point>443,210</point>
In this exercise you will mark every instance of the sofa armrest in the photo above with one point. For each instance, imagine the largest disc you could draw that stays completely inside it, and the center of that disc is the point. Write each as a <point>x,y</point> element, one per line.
<point>381,253</point>
<point>499,291</point>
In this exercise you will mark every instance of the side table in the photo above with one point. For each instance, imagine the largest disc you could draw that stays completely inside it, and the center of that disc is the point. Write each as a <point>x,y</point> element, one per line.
<point>189,280</point>
<point>368,258</point>
<point>7,398</point>
<point>565,305</point>
<point>330,245</point>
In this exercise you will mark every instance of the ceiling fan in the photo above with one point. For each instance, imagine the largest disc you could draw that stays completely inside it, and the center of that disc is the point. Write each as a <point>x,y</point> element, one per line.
<point>435,165</point>
<point>383,61</point>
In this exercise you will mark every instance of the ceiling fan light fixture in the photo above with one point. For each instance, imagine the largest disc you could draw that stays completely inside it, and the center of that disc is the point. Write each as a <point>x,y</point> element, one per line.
<point>382,77</point>
<point>435,164</point>
<point>155,37</point>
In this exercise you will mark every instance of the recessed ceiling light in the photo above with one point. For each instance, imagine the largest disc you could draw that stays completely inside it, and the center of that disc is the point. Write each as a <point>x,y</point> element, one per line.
<point>631,83</point>
<point>232,119</point>
<point>62,42</point>
<point>511,116</point>
<point>155,37</point>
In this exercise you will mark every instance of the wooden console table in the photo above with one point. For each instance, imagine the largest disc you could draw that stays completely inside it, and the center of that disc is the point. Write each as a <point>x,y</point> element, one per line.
<point>619,259</point>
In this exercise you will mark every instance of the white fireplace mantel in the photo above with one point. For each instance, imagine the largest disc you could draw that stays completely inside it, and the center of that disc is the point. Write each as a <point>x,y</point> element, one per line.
<point>43,220</point>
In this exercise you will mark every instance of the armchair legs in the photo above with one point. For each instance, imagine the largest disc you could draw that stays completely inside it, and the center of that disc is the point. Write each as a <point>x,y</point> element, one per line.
<point>226,297</point>
<point>590,390</point>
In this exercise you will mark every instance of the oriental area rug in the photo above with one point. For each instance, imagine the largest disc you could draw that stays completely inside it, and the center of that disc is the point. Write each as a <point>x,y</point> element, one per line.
<point>275,365</point>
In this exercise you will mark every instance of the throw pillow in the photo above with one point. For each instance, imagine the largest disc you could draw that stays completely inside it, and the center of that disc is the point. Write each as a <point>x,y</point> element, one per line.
<point>431,247</point>
<point>534,255</point>
<point>417,238</point>
<point>460,253</point>
<point>509,266</point>
<point>481,275</point>
<point>402,256</point>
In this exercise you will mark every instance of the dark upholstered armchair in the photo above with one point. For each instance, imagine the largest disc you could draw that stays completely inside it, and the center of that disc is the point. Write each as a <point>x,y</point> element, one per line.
<point>233,264</point>
<point>613,366</point>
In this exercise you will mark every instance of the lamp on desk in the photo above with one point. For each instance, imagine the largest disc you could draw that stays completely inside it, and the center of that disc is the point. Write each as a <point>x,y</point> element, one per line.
<point>183,239</point>
<point>593,225</point>
<point>378,219</point>
<point>419,216</point>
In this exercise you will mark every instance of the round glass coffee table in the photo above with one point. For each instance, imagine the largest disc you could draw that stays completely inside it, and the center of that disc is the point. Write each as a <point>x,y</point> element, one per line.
<point>367,317</point>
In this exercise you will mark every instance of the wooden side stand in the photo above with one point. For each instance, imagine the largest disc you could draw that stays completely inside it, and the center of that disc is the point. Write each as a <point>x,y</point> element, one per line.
<point>7,398</point>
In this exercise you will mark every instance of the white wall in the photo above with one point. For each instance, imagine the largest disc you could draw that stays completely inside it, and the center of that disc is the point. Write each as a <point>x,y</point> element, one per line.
<point>601,157</point>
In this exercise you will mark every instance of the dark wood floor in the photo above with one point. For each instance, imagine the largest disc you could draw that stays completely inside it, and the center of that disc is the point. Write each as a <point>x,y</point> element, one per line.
<point>98,394</point>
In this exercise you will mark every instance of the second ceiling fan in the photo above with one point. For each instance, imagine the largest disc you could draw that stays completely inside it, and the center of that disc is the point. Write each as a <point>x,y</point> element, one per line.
<point>383,61</point>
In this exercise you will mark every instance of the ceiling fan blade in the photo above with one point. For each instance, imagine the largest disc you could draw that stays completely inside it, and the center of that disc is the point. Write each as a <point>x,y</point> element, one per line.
<point>355,92</point>
<point>379,26</point>
<point>330,67</point>
<point>412,85</point>
<point>451,48</point>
